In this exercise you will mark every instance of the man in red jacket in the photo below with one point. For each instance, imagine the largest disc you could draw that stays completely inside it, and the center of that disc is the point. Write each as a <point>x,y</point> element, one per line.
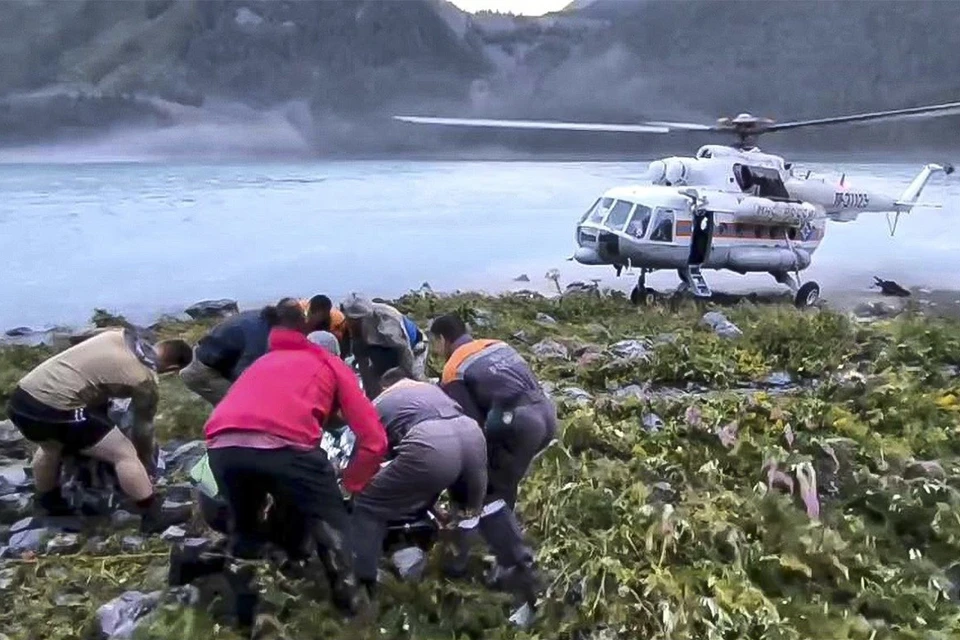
<point>263,439</point>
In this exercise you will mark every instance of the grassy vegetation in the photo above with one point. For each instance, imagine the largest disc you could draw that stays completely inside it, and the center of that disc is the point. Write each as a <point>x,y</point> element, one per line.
<point>697,528</point>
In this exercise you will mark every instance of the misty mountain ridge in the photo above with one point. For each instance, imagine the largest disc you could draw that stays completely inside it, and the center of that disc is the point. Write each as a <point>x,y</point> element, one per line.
<point>332,73</point>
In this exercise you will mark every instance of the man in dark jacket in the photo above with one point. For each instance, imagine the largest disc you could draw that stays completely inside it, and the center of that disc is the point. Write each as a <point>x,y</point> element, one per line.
<point>226,352</point>
<point>495,386</point>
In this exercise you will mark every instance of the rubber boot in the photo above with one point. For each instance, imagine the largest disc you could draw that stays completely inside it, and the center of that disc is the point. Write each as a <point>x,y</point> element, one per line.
<point>53,504</point>
<point>456,563</point>
<point>240,577</point>
<point>156,520</point>
<point>187,565</point>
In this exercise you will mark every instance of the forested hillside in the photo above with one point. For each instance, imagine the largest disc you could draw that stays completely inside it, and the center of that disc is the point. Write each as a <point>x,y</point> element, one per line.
<point>337,70</point>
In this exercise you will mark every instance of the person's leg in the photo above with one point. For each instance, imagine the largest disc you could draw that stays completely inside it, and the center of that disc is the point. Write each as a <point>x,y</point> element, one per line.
<point>306,481</point>
<point>46,467</point>
<point>204,381</point>
<point>116,449</point>
<point>244,478</point>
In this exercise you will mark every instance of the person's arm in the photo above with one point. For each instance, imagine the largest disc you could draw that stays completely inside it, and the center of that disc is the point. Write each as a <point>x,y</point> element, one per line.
<point>458,391</point>
<point>364,421</point>
<point>143,403</point>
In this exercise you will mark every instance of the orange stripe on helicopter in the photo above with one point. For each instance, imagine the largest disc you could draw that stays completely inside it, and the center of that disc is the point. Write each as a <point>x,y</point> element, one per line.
<point>743,231</point>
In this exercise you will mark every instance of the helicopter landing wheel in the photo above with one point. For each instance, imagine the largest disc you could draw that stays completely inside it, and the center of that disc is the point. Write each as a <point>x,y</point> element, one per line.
<point>807,295</point>
<point>642,296</point>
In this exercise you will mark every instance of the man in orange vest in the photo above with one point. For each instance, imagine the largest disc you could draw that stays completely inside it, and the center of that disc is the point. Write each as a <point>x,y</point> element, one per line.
<point>495,386</point>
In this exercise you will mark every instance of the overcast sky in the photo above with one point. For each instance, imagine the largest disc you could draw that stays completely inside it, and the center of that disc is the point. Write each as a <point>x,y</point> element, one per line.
<point>526,7</point>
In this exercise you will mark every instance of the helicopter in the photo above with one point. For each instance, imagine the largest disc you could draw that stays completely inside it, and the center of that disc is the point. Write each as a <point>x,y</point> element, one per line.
<point>730,207</point>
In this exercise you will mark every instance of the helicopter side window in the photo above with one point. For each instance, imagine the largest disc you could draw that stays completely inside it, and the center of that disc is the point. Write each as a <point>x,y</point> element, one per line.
<point>638,223</point>
<point>589,211</point>
<point>663,226</point>
<point>619,214</point>
<point>600,210</point>
<point>760,181</point>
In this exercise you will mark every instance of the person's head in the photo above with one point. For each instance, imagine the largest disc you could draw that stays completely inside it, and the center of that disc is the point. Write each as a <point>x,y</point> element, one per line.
<point>446,330</point>
<point>173,355</point>
<point>392,377</point>
<point>318,313</point>
<point>355,308</point>
<point>286,314</point>
<point>326,340</point>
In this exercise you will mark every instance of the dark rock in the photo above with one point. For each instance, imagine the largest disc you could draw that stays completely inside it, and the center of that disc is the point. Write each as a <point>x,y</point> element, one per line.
<point>64,543</point>
<point>70,524</point>
<point>12,442</point>
<point>208,309</point>
<point>96,546</point>
<point>631,391</point>
<point>522,336</point>
<point>174,534</point>
<point>27,541</point>
<point>522,278</point>
<point>14,506</point>
<point>131,543</point>
<point>26,524</point>
<point>7,576</point>
<point>550,349</point>
<point>662,492</point>
<point>779,379</point>
<point>576,394</point>
<point>410,563</point>
<point>197,544</point>
<point>721,326</point>
<point>19,332</point>
<point>184,457</point>
<point>652,423</point>
<point>12,478</point>
<point>74,600</point>
<point>181,492</point>
<point>122,518</point>
<point>879,309</point>
<point>4,533</point>
<point>121,616</point>
<point>929,469</point>
<point>543,318</point>
<point>177,511</point>
<point>630,350</point>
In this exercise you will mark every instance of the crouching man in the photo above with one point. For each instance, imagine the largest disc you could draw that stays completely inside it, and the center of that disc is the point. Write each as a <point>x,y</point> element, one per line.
<point>495,386</point>
<point>433,447</point>
<point>62,406</point>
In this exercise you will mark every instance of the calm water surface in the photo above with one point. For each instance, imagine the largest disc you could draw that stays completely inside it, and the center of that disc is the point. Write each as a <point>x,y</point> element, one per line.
<point>142,239</point>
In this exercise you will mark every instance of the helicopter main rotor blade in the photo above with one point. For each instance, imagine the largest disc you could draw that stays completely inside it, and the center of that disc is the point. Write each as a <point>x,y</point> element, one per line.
<point>535,124</point>
<point>895,114</point>
<point>684,126</point>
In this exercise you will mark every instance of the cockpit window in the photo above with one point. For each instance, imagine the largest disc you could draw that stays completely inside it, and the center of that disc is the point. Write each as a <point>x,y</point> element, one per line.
<point>600,210</point>
<point>589,211</point>
<point>619,214</point>
<point>663,226</point>
<point>638,223</point>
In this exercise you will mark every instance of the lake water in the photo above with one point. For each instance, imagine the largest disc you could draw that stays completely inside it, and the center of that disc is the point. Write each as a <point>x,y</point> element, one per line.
<point>143,239</point>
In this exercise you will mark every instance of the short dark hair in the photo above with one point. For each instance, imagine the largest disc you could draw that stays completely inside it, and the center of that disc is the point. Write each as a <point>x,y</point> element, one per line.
<point>392,376</point>
<point>287,314</point>
<point>449,327</point>
<point>320,303</point>
<point>176,353</point>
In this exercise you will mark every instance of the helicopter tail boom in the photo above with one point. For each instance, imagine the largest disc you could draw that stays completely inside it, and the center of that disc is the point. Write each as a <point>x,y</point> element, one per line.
<point>909,198</point>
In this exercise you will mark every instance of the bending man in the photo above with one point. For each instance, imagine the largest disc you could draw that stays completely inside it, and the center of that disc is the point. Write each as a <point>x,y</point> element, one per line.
<point>495,386</point>
<point>434,447</point>
<point>226,352</point>
<point>383,338</point>
<point>263,440</point>
<point>62,406</point>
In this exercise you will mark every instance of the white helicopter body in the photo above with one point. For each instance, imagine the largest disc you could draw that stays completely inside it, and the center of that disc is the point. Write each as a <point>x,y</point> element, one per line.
<point>729,207</point>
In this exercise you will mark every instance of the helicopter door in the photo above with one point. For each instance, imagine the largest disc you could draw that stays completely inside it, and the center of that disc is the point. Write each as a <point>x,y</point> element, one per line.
<point>701,238</point>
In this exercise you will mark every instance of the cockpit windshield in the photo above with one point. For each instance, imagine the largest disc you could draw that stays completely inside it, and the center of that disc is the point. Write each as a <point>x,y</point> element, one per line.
<point>619,214</point>
<point>600,209</point>
<point>589,211</point>
<point>638,223</point>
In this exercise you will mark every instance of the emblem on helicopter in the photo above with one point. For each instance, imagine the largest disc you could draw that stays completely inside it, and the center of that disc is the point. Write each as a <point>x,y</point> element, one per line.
<point>755,201</point>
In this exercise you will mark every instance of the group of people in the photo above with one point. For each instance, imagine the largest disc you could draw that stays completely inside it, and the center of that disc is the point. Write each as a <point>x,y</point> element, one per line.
<point>277,379</point>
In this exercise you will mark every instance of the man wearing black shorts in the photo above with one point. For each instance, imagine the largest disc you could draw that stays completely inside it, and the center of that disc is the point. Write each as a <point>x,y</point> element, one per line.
<point>62,406</point>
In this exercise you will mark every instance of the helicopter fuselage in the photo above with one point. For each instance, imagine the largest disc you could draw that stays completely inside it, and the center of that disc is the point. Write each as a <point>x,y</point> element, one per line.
<point>763,217</point>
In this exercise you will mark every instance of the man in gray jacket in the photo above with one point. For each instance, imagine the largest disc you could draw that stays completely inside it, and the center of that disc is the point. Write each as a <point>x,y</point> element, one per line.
<point>433,447</point>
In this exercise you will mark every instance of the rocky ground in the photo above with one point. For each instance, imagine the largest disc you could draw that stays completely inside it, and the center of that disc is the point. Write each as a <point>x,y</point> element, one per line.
<point>750,471</point>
